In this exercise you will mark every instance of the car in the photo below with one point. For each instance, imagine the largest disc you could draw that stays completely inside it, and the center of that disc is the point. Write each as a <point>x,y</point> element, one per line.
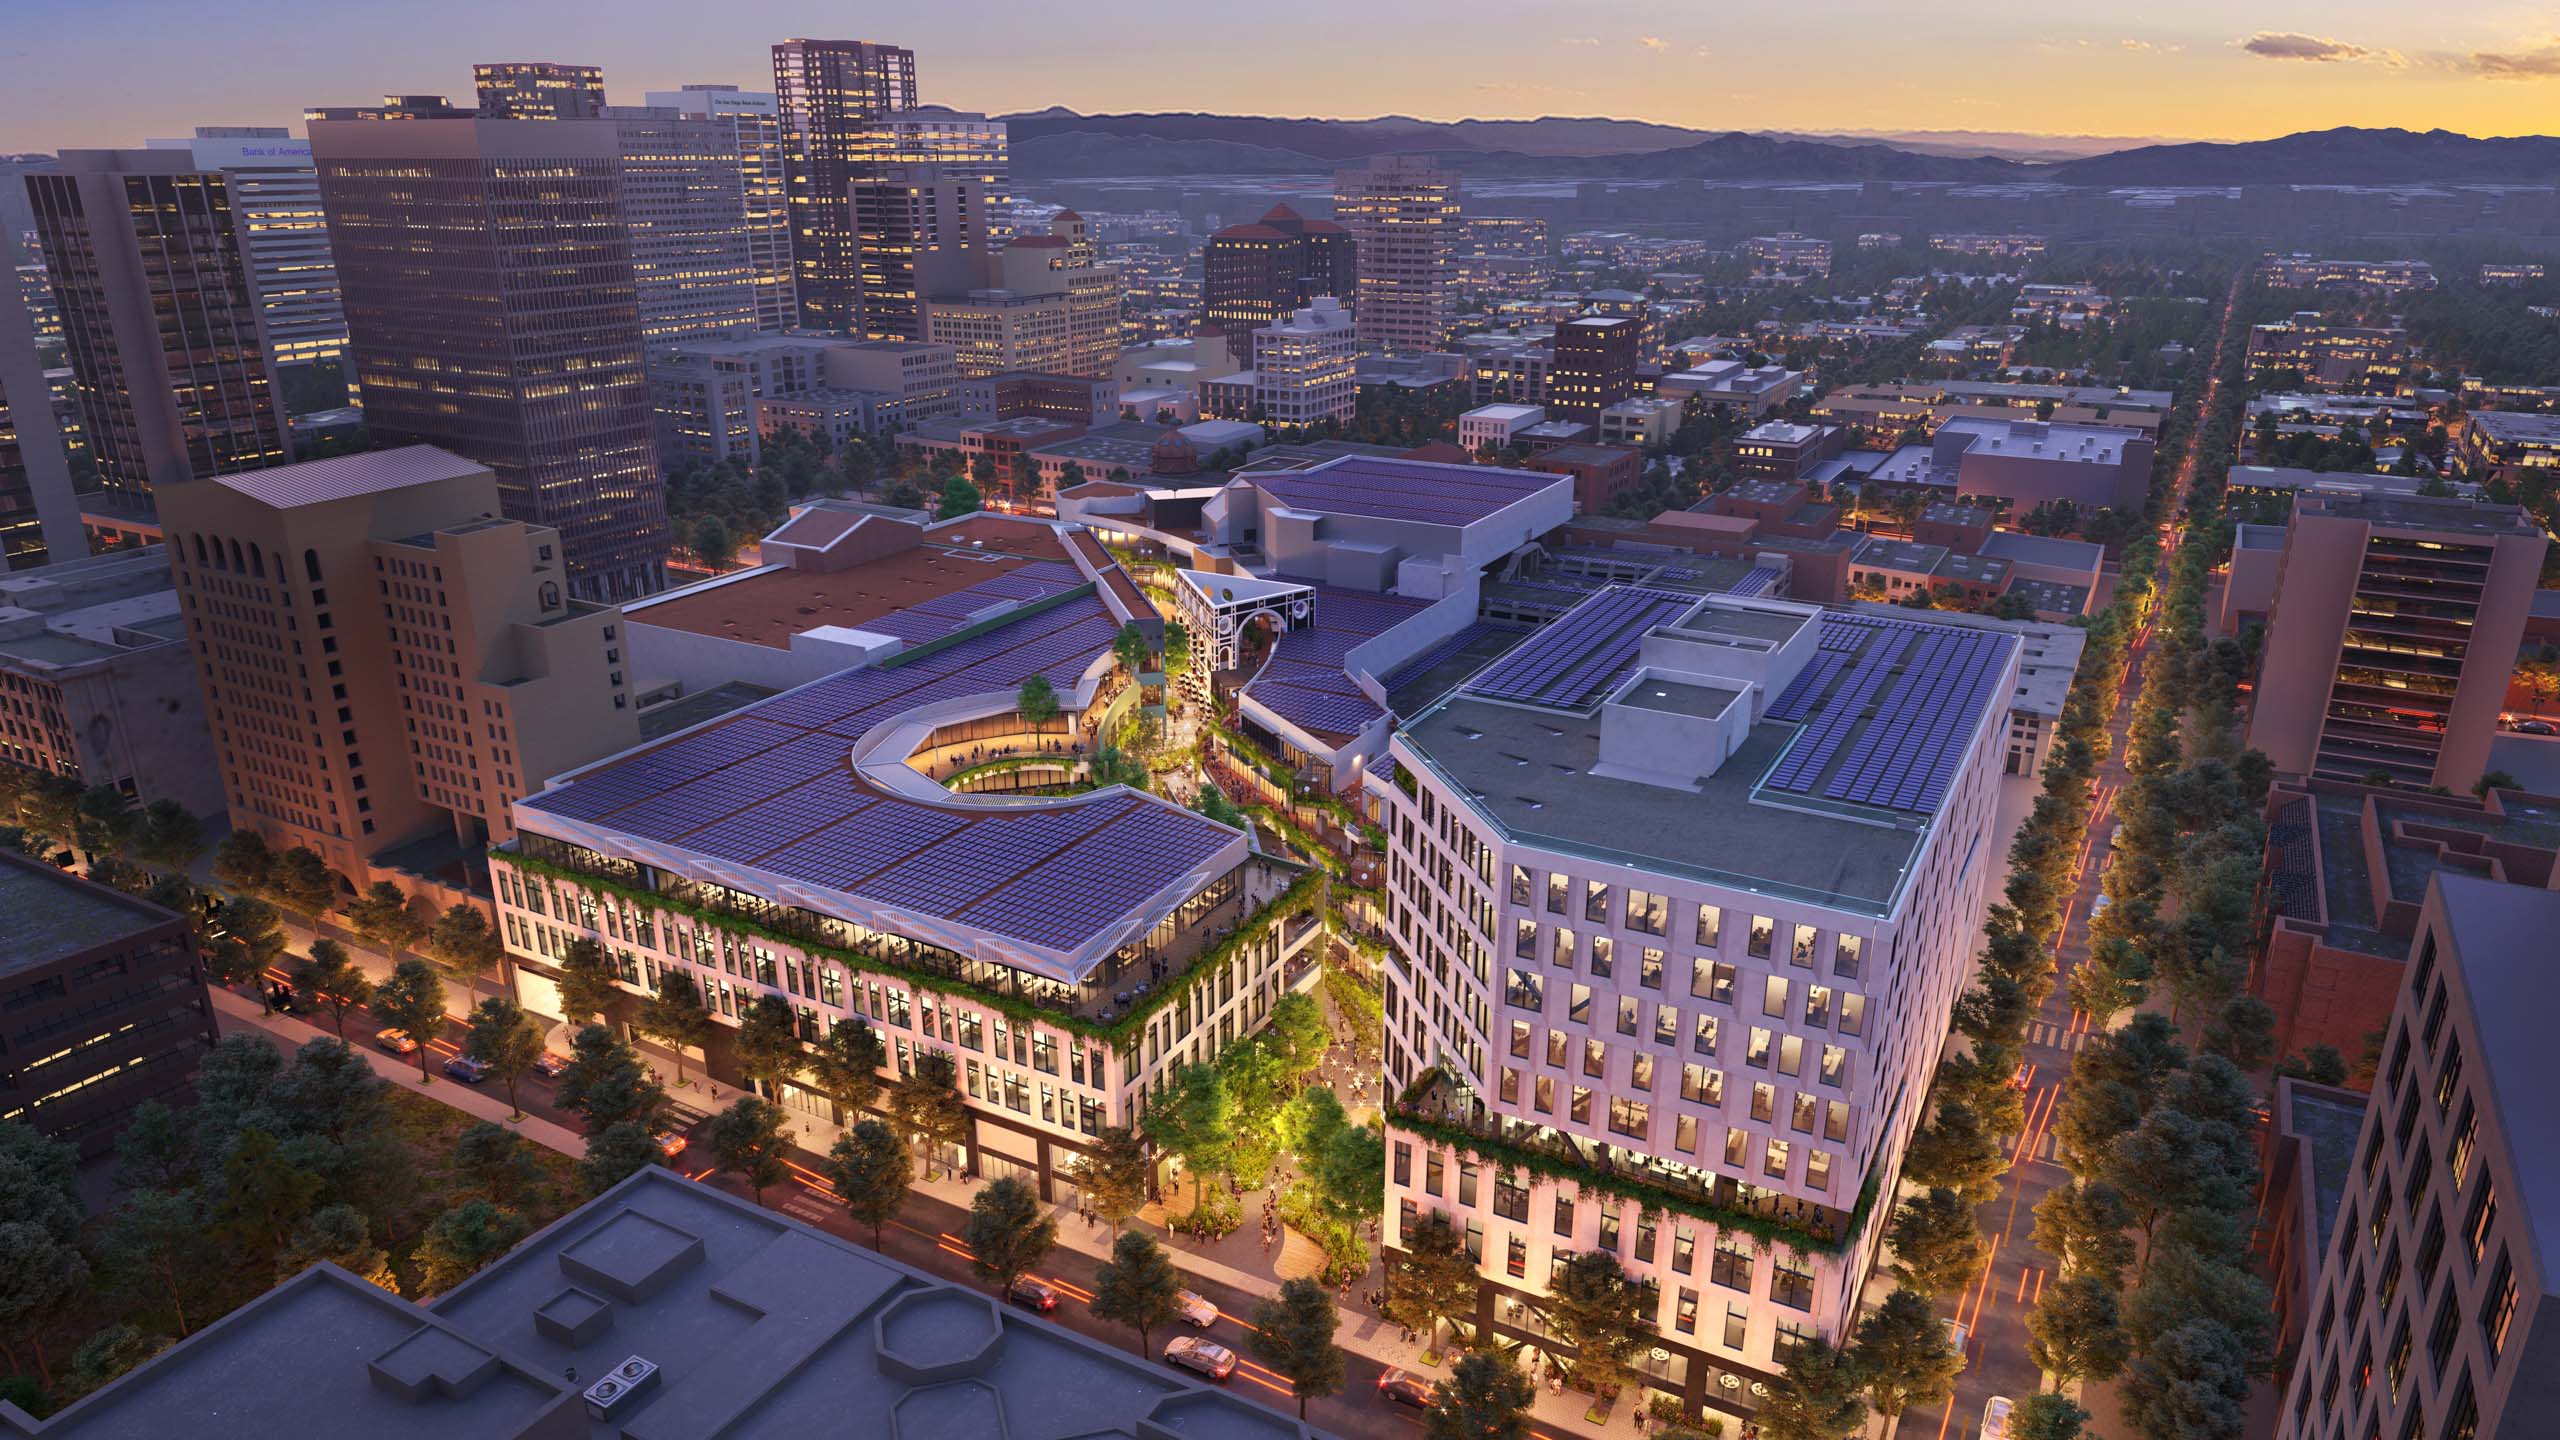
<point>549,1066</point>
<point>396,1041</point>
<point>670,1144</point>
<point>1995,1417</point>
<point>1958,1336</point>
<point>1405,1388</point>
<point>2536,727</point>
<point>1205,1357</point>
<point>2098,907</point>
<point>1195,1309</point>
<point>1031,1294</point>
<point>466,1069</point>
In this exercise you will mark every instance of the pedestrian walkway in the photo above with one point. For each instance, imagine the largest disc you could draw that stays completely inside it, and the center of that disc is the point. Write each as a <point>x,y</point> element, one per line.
<point>237,1013</point>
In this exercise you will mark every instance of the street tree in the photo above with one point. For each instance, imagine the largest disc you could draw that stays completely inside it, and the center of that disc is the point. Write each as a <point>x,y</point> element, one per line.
<point>331,980</point>
<point>103,820</point>
<point>753,1139</point>
<point>589,984</point>
<point>1137,1286</point>
<point>605,1084</point>
<point>1196,1120</point>
<point>463,1240</point>
<point>1598,1311</point>
<point>870,1171</point>
<point>462,940</point>
<point>928,1107</point>
<point>677,1015</point>
<point>382,916</point>
<point>250,939</point>
<point>2191,1384</point>
<point>615,1154</point>
<point>1816,1396</point>
<point>1937,1247</point>
<point>243,862</point>
<point>845,1065</point>
<point>2047,1416</point>
<point>300,882</point>
<point>2082,1224</point>
<point>507,1039</point>
<point>766,1047</point>
<point>1007,1232</point>
<point>1113,1175</point>
<point>412,1001</point>
<point>1956,1151</point>
<point>1432,1281</point>
<point>2074,1331</point>
<point>1293,1334</point>
<point>958,498</point>
<point>1485,1398</point>
<point>166,836</point>
<point>1905,1357</point>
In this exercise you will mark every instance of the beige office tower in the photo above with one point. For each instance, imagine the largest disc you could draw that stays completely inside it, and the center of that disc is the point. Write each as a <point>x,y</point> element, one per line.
<point>925,230</point>
<point>1093,299</point>
<point>159,319</point>
<point>2393,633</point>
<point>385,660</point>
<point>1402,212</point>
<point>764,202</point>
<point>684,201</point>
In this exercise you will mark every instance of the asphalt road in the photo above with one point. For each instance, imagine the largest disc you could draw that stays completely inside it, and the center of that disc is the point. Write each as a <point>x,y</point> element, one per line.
<point>1995,1307</point>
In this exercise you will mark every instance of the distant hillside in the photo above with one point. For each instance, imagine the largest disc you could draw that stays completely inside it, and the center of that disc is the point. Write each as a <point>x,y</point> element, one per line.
<point>1057,143</point>
<point>2343,156</point>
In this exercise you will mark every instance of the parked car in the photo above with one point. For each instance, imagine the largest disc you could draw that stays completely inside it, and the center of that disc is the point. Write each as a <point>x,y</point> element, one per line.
<point>2537,727</point>
<point>466,1070</point>
<point>549,1066</point>
<point>1958,1336</point>
<point>1995,1417</point>
<point>396,1041</point>
<point>1195,1309</point>
<point>1206,1357</point>
<point>1031,1294</point>
<point>1405,1388</point>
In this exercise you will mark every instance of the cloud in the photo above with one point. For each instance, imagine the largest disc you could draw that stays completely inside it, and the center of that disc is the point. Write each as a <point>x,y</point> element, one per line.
<point>1704,52</point>
<point>1654,43</point>
<point>2293,45</point>
<point>1581,41</point>
<point>2539,62</point>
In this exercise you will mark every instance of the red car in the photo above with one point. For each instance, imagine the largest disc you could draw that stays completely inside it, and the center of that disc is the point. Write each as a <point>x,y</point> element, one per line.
<point>1405,1388</point>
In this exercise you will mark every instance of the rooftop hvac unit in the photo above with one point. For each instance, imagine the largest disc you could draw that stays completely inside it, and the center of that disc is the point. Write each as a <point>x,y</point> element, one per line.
<point>616,1394</point>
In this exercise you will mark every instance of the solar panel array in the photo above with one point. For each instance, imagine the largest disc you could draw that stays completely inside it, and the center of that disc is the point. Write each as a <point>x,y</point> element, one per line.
<point>1754,582</point>
<point>1305,683</point>
<point>1414,669</point>
<point>772,786</point>
<point>1582,651</point>
<point>1903,746</point>
<point>1392,489</point>
<point>1905,761</point>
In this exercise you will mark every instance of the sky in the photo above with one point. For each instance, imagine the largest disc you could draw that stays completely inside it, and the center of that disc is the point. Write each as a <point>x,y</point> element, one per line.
<point>116,72</point>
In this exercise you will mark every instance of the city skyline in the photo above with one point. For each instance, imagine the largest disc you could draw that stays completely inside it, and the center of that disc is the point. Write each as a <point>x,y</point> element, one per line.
<point>2182,71</point>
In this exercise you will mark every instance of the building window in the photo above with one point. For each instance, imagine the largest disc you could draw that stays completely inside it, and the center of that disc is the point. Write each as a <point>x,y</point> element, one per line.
<point>1730,1265</point>
<point>1564,1216</point>
<point>1648,912</point>
<point>2482,1219</point>
<point>1846,953</point>
<point>1802,953</point>
<point>1685,1318</point>
<point>1737,1325</point>
<point>1762,929</point>
<point>1404,1163</point>
<point>1793,1285</point>
<point>2498,1307</point>
<point>1710,926</point>
<point>1595,902</point>
<point>1711,980</point>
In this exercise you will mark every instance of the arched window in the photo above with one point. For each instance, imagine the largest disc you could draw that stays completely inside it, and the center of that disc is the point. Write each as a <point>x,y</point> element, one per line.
<point>311,566</point>
<point>550,595</point>
<point>257,560</point>
<point>200,560</point>
<point>238,565</point>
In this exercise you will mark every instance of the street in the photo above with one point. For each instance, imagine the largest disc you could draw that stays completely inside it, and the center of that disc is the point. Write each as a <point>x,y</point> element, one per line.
<point>1996,1305</point>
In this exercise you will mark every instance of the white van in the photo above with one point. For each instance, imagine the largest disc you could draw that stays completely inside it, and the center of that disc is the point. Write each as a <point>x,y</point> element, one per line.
<point>1995,1417</point>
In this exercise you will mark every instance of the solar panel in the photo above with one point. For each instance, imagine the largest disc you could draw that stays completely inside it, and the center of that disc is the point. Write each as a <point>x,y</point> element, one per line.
<point>1582,650</point>
<point>1393,489</point>
<point>1090,886</point>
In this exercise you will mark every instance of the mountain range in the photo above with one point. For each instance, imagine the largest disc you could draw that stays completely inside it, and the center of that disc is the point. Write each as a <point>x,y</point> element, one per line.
<point>1059,143</point>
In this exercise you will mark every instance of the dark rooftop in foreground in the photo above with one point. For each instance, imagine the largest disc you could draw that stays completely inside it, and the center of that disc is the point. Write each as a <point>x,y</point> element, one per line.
<point>758,1327</point>
<point>49,914</point>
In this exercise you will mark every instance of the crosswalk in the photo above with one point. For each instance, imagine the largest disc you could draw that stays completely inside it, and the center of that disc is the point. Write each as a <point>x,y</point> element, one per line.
<point>2048,1147</point>
<point>2057,1037</point>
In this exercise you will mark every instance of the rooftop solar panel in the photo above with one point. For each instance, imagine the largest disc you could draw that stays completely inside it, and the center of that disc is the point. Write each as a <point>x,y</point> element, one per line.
<point>1393,489</point>
<point>1582,650</point>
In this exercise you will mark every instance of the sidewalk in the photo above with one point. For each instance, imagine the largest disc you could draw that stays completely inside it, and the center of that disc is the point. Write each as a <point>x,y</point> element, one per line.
<point>238,1013</point>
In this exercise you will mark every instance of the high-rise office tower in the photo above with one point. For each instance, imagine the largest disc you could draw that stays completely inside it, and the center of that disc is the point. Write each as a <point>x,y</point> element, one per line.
<point>2392,637</point>
<point>833,95</point>
<point>275,201</point>
<point>1594,365</point>
<point>1093,298</point>
<point>538,90</point>
<point>763,198</point>
<point>923,230</point>
<point>39,516</point>
<point>684,197</point>
<point>382,657</point>
<point>1402,212</point>
<point>493,309</point>
<point>159,318</point>
<point>1263,273</point>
